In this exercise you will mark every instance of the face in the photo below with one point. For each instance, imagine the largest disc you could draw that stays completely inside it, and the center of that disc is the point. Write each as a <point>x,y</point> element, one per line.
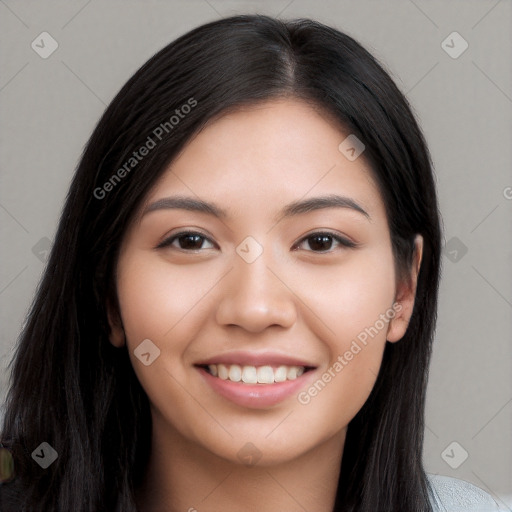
<point>262,316</point>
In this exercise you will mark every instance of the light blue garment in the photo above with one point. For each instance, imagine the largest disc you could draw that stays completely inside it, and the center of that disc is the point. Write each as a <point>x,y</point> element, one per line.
<point>454,495</point>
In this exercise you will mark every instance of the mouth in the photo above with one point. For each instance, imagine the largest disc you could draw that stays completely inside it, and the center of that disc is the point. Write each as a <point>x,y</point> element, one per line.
<point>255,381</point>
<point>250,375</point>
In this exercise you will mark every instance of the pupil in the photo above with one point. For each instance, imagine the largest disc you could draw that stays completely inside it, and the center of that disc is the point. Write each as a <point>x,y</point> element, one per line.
<point>321,242</point>
<point>190,241</point>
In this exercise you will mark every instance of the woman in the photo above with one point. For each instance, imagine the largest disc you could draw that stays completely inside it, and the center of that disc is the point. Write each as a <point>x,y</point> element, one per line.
<point>239,306</point>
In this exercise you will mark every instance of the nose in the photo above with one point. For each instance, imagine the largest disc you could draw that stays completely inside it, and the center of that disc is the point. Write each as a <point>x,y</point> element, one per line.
<point>255,297</point>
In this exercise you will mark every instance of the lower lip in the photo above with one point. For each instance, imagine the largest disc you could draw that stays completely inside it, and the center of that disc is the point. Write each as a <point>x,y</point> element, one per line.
<point>256,396</point>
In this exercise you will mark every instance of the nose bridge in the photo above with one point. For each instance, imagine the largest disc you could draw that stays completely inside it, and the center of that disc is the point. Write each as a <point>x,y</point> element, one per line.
<point>254,298</point>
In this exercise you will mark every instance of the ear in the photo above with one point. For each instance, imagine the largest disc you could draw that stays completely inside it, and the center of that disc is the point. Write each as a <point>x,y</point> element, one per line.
<point>116,334</point>
<point>405,296</point>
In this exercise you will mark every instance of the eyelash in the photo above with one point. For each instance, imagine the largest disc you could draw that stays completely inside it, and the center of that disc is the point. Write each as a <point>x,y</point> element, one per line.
<point>341,240</point>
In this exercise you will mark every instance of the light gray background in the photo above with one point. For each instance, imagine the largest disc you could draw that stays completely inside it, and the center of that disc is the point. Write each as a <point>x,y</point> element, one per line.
<point>50,106</point>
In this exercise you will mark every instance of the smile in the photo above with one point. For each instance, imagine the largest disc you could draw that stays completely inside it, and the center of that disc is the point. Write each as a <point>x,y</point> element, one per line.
<point>255,381</point>
<point>249,374</point>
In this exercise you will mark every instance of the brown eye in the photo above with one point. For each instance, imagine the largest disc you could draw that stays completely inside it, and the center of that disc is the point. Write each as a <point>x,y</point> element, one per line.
<point>324,242</point>
<point>186,241</point>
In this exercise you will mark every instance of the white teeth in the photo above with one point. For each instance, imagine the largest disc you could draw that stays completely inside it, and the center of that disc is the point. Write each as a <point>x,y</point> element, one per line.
<point>291,373</point>
<point>235,373</point>
<point>280,374</point>
<point>222,371</point>
<point>265,375</point>
<point>255,374</point>
<point>249,375</point>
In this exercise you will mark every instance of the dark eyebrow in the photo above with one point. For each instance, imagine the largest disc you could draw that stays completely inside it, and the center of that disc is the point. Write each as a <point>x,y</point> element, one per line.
<point>318,203</point>
<point>186,203</point>
<point>295,208</point>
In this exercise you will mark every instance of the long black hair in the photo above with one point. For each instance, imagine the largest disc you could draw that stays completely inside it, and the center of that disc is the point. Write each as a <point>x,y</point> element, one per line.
<point>72,389</point>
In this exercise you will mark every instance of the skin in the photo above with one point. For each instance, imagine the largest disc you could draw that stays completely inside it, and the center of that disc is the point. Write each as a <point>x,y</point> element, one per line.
<point>198,304</point>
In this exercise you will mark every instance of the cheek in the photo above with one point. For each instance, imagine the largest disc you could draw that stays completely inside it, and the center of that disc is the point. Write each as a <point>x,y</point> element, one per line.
<point>166,304</point>
<point>352,306</point>
<point>347,298</point>
<point>156,297</point>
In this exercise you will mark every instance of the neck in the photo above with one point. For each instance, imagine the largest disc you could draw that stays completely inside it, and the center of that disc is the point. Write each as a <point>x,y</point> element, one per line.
<point>184,477</point>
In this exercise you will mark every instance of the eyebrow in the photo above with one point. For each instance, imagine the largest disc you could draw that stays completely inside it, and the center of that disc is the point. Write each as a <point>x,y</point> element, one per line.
<point>290,210</point>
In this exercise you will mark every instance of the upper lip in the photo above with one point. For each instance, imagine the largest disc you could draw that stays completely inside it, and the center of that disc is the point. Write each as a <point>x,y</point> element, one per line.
<point>256,359</point>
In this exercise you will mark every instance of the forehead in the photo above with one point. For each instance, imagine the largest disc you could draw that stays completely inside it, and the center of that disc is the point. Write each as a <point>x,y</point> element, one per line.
<point>267,154</point>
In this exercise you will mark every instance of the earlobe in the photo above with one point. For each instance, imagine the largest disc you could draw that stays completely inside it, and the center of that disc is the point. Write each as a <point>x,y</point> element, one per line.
<point>405,297</point>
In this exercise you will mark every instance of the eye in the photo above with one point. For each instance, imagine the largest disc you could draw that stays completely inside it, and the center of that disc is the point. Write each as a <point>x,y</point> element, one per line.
<point>186,241</point>
<point>323,242</point>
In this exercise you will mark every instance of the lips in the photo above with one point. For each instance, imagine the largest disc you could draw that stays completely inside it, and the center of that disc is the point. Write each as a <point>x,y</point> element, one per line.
<point>255,380</point>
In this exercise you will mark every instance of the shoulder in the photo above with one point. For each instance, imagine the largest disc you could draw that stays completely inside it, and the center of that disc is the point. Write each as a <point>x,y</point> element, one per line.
<point>454,495</point>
